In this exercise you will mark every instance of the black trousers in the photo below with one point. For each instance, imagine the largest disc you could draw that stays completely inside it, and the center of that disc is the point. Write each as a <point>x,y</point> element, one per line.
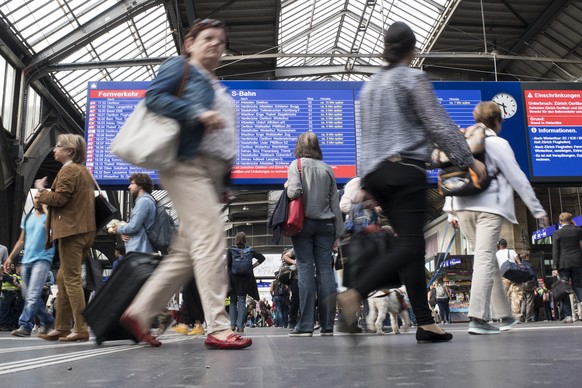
<point>192,309</point>
<point>294,303</point>
<point>400,189</point>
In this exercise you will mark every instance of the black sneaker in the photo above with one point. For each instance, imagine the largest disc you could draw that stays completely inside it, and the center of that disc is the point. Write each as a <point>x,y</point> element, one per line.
<point>326,333</point>
<point>295,333</point>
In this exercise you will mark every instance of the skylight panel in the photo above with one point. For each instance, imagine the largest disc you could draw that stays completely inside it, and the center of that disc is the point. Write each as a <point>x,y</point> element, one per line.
<point>86,10</point>
<point>358,28</point>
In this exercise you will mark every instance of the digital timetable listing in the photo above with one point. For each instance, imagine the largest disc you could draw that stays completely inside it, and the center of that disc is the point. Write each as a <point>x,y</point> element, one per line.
<point>543,126</point>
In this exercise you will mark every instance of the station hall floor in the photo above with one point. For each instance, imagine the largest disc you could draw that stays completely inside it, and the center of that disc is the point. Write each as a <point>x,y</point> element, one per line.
<point>540,354</point>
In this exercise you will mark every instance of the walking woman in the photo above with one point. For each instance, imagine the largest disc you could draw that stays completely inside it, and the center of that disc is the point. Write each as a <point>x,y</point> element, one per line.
<point>71,221</point>
<point>196,185</point>
<point>481,218</point>
<point>401,119</point>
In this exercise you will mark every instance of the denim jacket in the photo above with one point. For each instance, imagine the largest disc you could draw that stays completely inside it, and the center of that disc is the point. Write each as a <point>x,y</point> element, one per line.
<point>197,97</point>
<point>142,217</point>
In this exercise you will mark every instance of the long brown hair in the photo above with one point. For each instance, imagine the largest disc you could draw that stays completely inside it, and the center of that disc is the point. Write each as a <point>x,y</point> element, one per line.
<point>308,146</point>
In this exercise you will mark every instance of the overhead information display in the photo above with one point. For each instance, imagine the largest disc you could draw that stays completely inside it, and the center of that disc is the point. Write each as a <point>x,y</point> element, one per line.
<point>270,117</point>
<point>270,120</point>
<point>108,105</point>
<point>554,127</point>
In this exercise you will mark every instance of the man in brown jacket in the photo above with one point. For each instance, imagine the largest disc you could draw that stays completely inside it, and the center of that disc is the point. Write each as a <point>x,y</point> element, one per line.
<point>71,221</point>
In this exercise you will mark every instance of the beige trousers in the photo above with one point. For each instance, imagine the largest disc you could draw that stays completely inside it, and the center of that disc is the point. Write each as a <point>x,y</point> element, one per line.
<point>487,299</point>
<point>198,250</point>
<point>514,293</point>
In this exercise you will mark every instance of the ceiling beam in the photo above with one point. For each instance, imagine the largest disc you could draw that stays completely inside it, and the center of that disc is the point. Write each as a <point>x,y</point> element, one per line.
<point>551,11</point>
<point>94,28</point>
<point>312,71</point>
<point>190,11</point>
<point>232,58</point>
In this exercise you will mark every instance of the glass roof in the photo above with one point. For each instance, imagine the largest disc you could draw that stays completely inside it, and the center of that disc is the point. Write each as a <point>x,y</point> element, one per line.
<point>41,23</point>
<point>349,27</point>
<point>334,27</point>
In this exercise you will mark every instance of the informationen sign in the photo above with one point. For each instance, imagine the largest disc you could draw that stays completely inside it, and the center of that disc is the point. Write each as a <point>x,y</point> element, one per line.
<point>554,128</point>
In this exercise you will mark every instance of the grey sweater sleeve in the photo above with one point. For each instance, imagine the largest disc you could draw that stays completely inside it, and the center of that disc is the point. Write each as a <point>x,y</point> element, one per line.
<point>441,129</point>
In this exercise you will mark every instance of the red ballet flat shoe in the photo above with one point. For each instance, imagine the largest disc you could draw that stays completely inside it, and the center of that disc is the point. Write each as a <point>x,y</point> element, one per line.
<point>233,341</point>
<point>133,327</point>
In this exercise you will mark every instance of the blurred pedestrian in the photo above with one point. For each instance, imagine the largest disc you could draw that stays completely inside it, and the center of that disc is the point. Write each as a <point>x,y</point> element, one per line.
<point>196,184</point>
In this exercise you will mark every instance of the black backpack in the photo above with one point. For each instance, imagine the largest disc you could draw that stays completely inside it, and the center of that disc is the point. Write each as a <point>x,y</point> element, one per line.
<point>462,182</point>
<point>162,230</point>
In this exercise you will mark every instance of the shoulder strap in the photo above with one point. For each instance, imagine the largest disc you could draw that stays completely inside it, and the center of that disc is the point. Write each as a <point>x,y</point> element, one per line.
<point>27,216</point>
<point>185,77</point>
<point>299,169</point>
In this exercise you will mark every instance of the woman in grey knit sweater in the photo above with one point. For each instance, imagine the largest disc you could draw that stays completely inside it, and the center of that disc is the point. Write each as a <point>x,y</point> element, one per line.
<point>401,120</point>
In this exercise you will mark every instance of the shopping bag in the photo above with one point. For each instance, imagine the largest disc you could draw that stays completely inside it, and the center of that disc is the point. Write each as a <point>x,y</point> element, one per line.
<point>150,140</point>
<point>147,140</point>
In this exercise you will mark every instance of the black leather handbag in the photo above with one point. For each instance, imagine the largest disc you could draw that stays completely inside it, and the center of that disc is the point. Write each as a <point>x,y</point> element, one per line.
<point>104,210</point>
<point>561,289</point>
<point>362,250</point>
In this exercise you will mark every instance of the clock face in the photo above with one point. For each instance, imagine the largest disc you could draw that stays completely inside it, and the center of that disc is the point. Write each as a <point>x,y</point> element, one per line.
<point>507,104</point>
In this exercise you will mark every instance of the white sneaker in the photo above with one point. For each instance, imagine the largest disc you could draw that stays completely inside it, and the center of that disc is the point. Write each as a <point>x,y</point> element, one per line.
<point>568,320</point>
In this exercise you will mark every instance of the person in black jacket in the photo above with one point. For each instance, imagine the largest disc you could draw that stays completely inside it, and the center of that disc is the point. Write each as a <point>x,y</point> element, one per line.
<point>241,284</point>
<point>567,259</point>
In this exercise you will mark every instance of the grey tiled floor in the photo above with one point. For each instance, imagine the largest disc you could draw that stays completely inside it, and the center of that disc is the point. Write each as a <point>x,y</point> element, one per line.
<point>530,355</point>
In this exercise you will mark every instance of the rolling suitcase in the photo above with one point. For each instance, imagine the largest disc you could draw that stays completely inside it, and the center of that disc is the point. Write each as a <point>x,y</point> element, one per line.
<point>103,312</point>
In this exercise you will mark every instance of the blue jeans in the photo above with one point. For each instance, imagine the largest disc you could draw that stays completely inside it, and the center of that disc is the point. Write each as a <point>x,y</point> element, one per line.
<point>444,311</point>
<point>282,311</point>
<point>574,273</point>
<point>34,277</point>
<point>238,311</point>
<point>313,248</point>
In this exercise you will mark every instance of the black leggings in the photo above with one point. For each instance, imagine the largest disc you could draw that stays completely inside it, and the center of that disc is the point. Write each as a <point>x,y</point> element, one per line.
<point>192,309</point>
<point>400,189</point>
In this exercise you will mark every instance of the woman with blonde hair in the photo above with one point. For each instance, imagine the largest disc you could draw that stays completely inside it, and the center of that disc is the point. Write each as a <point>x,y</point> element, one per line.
<point>481,217</point>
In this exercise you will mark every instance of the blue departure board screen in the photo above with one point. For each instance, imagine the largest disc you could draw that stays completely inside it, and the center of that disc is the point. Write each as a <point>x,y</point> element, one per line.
<point>270,117</point>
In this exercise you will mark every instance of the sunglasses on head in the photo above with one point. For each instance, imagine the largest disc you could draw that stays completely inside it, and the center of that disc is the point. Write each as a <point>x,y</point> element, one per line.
<point>212,22</point>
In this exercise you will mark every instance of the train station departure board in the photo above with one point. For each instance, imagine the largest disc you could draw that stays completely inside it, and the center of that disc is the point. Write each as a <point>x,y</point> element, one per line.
<point>270,117</point>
